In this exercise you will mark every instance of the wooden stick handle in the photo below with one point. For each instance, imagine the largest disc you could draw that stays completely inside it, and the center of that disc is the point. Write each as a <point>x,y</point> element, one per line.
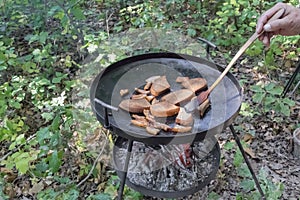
<point>277,15</point>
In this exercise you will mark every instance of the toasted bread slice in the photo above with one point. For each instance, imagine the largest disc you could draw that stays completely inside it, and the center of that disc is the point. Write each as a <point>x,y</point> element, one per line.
<point>195,84</point>
<point>181,129</point>
<point>134,105</point>
<point>181,79</point>
<point>164,109</point>
<point>179,96</point>
<point>152,130</point>
<point>184,118</point>
<point>159,86</point>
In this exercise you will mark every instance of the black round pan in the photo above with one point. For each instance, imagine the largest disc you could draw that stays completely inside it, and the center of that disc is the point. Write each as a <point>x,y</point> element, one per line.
<point>132,72</point>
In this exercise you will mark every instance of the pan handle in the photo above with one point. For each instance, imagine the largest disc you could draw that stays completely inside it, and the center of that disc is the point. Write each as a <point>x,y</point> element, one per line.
<point>208,46</point>
<point>106,107</point>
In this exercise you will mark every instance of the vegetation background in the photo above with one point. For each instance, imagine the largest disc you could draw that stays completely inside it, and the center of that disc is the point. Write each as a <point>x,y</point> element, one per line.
<point>52,147</point>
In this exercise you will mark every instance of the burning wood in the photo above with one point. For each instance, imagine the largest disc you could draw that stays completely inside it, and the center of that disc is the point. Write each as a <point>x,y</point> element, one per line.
<point>168,168</point>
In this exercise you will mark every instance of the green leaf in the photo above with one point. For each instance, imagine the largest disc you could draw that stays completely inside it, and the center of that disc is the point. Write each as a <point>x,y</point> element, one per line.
<point>47,116</point>
<point>47,194</point>
<point>43,37</point>
<point>36,52</point>
<point>258,97</point>
<point>11,125</point>
<point>44,81</point>
<point>59,14</point>
<point>213,196</point>
<point>285,109</point>
<point>238,159</point>
<point>56,80</point>
<point>55,123</point>
<point>54,162</point>
<point>133,195</point>
<point>43,134</point>
<point>55,140</point>
<point>2,57</point>
<point>289,102</point>
<point>3,67</point>
<point>15,104</point>
<point>270,86</point>
<point>78,13</point>
<point>191,32</point>
<point>277,106</point>
<point>111,190</point>
<point>256,88</point>
<point>228,145</point>
<point>247,185</point>
<point>22,165</point>
<point>72,194</point>
<point>243,171</point>
<point>101,196</point>
<point>19,140</point>
<point>269,100</point>
<point>42,166</point>
<point>62,180</point>
<point>22,160</point>
<point>275,91</point>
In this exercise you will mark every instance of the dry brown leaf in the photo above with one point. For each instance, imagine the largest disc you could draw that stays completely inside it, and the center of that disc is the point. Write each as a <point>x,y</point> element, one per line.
<point>36,188</point>
<point>250,153</point>
<point>248,137</point>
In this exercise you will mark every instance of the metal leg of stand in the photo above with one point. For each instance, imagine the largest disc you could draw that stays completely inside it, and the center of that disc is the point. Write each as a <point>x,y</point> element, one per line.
<point>247,162</point>
<point>123,173</point>
<point>289,83</point>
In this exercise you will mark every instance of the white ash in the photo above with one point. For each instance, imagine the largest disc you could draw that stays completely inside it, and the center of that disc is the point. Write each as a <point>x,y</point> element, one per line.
<point>159,168</point>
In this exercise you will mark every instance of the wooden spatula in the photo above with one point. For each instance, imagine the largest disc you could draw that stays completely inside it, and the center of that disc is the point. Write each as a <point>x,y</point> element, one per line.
<point>204,95</point>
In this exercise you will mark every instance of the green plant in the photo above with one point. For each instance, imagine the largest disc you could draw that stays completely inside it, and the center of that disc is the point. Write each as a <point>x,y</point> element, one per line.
<point>2,195</point>
<point>112,188</point>
<point>272,191</point>
<point>7,56</point>
<point>68,193</point>
<point>268,98</point>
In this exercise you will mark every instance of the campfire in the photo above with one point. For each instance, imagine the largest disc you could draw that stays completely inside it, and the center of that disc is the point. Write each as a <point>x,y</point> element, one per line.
<point>172,169</point>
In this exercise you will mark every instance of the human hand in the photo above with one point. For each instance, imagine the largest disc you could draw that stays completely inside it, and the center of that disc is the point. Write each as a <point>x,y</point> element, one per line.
<point>288,24</point>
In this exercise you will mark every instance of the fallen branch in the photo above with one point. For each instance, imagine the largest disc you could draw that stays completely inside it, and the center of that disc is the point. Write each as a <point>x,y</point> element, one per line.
<point>14,150</point>
<point>94,165</point>
<point>107,21</point>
